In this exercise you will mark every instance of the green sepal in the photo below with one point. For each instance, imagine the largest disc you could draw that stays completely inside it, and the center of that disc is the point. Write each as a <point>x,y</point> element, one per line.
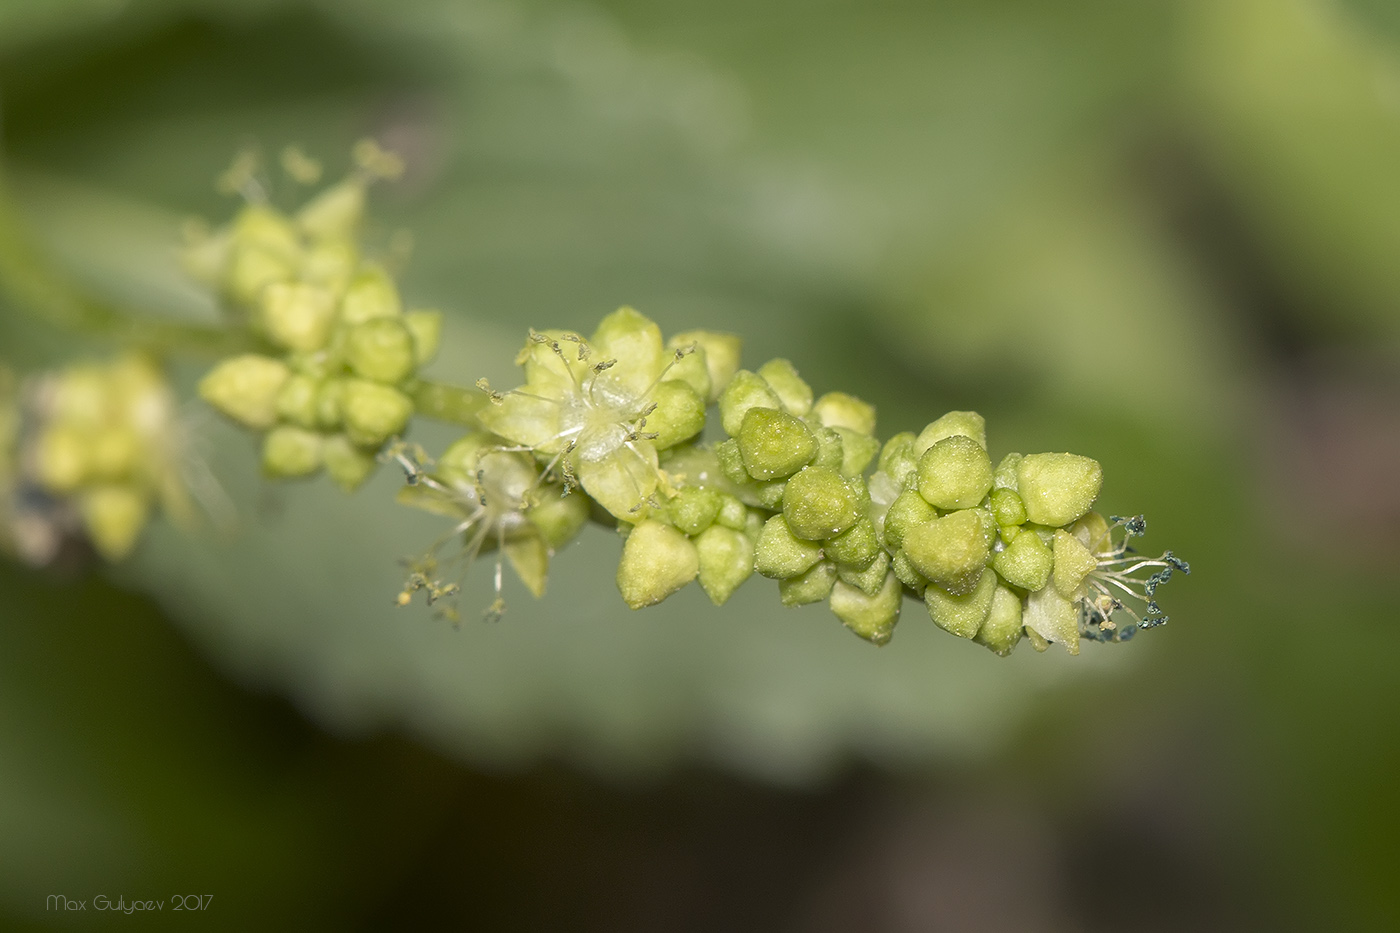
<point>967,423</point>
<point>114,515</point>
<point>952,551</point>
<point>1007,507</point>
<point>1026,562</point>
<point>820,503</point>
<point>779,554</point>
<point>857,450</point>
<point>871,578</point>
<point>831,451</point>
<point>732,513</point>
<point>774,444</point>
<point>909,510</point>
<point>381,349</point>
<point>1058,488</point>
<point>657,560</point>
<point>297,315</point>
<point>813,586</point>
<point>904,570</point>
<point>296,403</point>
<point>721,356</point>
<point>693,509</point>
<point>373,413</point>
<point>679,414</point>
<point>1053,618</point>
<point>290,452</point>
<point>1073,563</point>
<point>245,388</point>
<point>731,461</point>
<point>839,410</point>
<point>962,615</point>
<point>898,458</point>
<point>1002,628</point>
<point>745,391</point>
<point>1004,476</point>
<point>855,547</point>
<point>426,328</point>
<point>955,473</point>
<point>792,391</point>
<point>558,518</point>
<point>347,464</point>
<point>371,294</point>
<point>726,561</point>
<point>871,617</point>
<point>529,558</point>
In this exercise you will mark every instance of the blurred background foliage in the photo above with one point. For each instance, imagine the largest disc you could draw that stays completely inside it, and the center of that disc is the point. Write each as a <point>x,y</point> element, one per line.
<point>1164,234</point>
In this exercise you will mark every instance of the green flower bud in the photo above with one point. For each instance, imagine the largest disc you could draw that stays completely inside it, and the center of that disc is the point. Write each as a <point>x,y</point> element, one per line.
<point>371,294</point>
<point>245,388</point>
<point>330,404</point>
<point>769,495</point>
<point>839,410</point>
<point>694,509</point>
<point>529,558</point>
<point>871,617</point>
<point>782,378</point>
<point>426,328</point>
<point>114,453</point>
<point>779,554</point>
<point>381,349</point>
<point>732,513</point>
<point>904,570</point>
<point>330,264</point>
<point>373,413</point>
<point>290,452</point>
<point>857,450</point>
<point>731,461</point>
<point>1052,617</point>
<point>962,615</point>
<point>869,580</point>
<point>634,340</point>
<point>967,423</point>
<point>745,391</point>
<point>856,547</point>
<point>297,316</point>
<point>898,458</point>
<point>909,510</point>
<point>1002,628</point>
<point>559,518</point>
<point>1073,563</point>
<point>955,473</point>
<point>726,560</point>
<point>1025,562</point>
<point>721,356</point>
<point>952,551</point>
<point>1004,476</point>
<point>297,400</point>
<point>264,249</point>
<point>657,560</point>
<point>774,444</point>
<point>820,503</point>
<point>347,464</point>
<point>679,414</point>
<point>336,212</point>
<point>61,459</point>
<point>1058,488</point>
<point>690,367</point>
<point>114,516</point>
<point>830,449</point>
<point>1093,532</point>
<point>1007,507</point>
<point>810,587</point>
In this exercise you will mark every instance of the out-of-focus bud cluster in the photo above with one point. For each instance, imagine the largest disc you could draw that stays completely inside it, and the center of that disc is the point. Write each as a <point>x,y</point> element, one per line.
<point>93,450</point>
<point>335,378</point>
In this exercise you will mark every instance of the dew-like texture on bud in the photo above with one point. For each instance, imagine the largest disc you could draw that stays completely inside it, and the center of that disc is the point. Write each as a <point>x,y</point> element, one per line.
<point>371,294</point>
<point>372,412</point>
<point>779,554</point>
<point>1002,628</point>
<point>1073,563</point>
<point>381,349</point>
<point>820,503</point>
<point>857,451</point>
<point>426,328</point>
<point>296,403</point>
<point>679,414</point>
<point>1025,562</point>
<point>720,353</point>
<point>898,458</point>
<point>955,473</point>
<point>962,615</point>
<point>774,444</point>
<point>813,586</point>
<point>347,465</point>
<point>855,547</point>
<point>868,580</point>
<point>245,388</point>
<point>114,516</point>
<point>871,617</point>
<point>745,391</point>
<point>731,461</point>
<point>726,561</point>
<point>1007,507</point>
<point>657,560</point>
<point>952,551</point>
<point>1053,617</point>
<point>694,509</point>
<point>1057,488</point>
<point>954,423</point>
<point>791,389</point>
<point>909,510</point>
<point>297,316</point>
<point>1004,476</point>
<point>558,518</point>
<point>289,452</point>
<point>840,410</point>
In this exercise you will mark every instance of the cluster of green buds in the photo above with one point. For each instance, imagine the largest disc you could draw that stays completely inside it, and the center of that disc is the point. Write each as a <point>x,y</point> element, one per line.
<point>97,447</point>
<point>335,374</point>
<point>798,489</point>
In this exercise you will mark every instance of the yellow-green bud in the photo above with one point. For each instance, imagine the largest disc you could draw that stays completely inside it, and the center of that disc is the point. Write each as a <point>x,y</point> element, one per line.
<point>1025,562</point>
<point>774,444</point>
<point>769,495</point>
<point>810,587</point>
<point>61,459</point>
<point>955,473</point>
<point>330,403</point>
<point>1057,488</point>
<point>726,560</point>
<point>909,510</point>
<point>373,413</point>
<point>857,450</point>
<point>1007,507</point>
<point>820,503</point>
<point>731,461</point>
<point>114,516</point>
<point>839,410</point>
<point>856,547</point>
<point>904,570</point>
<point>558,518</point>
<point>694,509</point>
<point>632,338</point>
<point>348,465</point>
<point>898,458</point>
<point>245,388</point>
<point>371,294</point>
<point>868,580</point>
<point>297,316</point>
<point>290,452</point>
<point>381,349</point>
<point>1004,476</point>
<point>732,513</point>
<point>679,414</point>
<point>871,617</point>
<point>336,212</point>
<point>1002,628</point>
<point>114,453</point>
<point>330,264</point>
<point>962,615</point>
<point>721,357</point>
<point>1073,563</point>
<point>779,554</point>
<point>426,327</point>
<point>792,391</point>
<point>745,391</point>
<point>297,400</point>
<point>656,561</point>
<point>1052,617</point>
<point>952,551</point>
<point>967,423</point>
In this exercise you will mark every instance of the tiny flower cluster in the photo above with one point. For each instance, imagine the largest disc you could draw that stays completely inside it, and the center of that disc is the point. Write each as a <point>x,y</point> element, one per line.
<point>337,371</point>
